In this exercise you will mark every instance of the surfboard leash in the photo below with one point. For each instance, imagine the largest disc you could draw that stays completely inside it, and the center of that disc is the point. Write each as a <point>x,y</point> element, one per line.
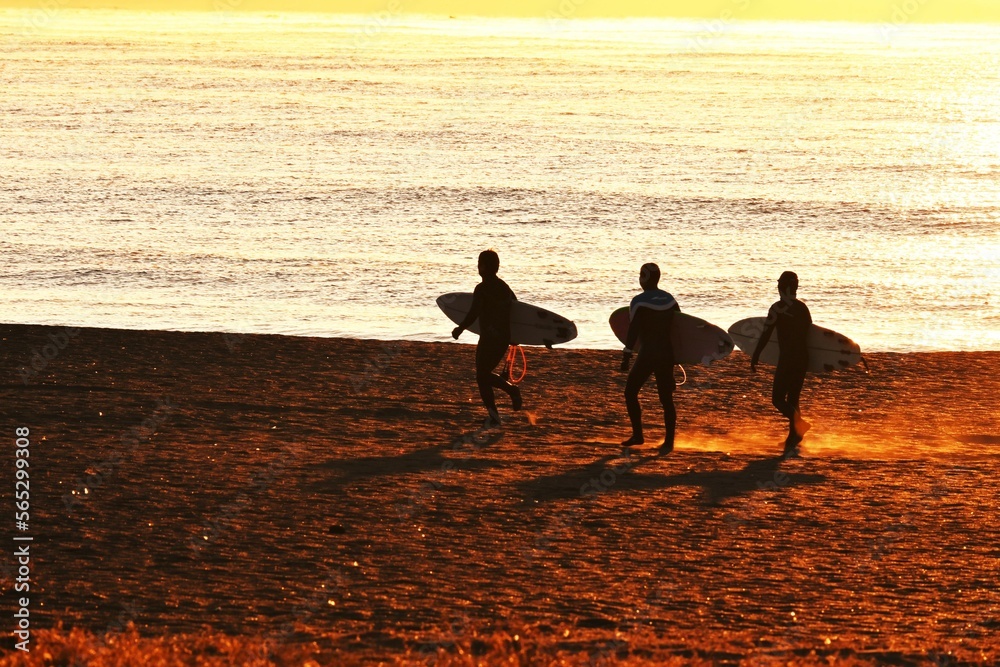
<point>508,366</point>
<point>684,373</point>
<point>865,362</point>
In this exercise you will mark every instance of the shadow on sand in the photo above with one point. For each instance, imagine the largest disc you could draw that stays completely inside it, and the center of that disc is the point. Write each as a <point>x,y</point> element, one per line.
<point>458,454</point>
<point>611,474</point>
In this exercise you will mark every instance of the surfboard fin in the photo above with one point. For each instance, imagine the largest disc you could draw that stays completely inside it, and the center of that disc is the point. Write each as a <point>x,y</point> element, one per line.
<point>865,362</point>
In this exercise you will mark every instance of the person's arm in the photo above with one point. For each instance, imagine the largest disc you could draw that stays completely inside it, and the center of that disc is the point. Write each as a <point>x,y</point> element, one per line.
<point>631,338</point>
<point>673,312</point>
<point>807,316</point>
<point>769,323</point>
<point>473,315</point>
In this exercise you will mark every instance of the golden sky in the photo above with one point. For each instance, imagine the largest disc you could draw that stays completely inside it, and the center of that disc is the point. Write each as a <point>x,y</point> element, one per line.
<point>898,11</point>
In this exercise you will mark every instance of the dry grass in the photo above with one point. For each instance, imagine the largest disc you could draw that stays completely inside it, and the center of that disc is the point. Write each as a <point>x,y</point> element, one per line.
<point>77,648</point>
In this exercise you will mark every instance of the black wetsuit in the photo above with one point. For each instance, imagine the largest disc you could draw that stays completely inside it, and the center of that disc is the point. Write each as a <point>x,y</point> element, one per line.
<point>652,316</point>
<point>491,304</point>
<point>792,320</point>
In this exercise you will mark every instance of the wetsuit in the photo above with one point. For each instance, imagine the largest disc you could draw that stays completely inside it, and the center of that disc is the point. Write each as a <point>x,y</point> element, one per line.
<point>651,315</point>
<point>491,303</point>
<point>792,320</point>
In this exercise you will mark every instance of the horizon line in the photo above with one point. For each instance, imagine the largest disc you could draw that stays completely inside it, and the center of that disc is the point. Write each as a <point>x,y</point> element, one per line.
<point>569,11</point>
<point>991,23</point>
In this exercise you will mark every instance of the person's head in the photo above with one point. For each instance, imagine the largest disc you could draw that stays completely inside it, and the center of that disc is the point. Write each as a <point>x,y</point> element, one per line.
<point>649,276</point>
<point>489,263</point>
<point>788,284</point>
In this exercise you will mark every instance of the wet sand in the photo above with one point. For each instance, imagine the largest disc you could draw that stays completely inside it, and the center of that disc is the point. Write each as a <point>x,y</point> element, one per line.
<point>338,497</point>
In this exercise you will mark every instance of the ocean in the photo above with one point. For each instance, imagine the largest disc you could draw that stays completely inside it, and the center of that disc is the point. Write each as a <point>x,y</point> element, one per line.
<point>331,175</point>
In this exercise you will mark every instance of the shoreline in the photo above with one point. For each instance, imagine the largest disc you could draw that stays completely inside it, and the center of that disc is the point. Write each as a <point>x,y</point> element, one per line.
<point>467,339</point>
<point>203,484</point>
<point>852,404</point>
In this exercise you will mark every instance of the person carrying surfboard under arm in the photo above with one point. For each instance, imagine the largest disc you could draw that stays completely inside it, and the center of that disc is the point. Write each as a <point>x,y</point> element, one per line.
<point>791,318</point>
<point>651,316</point>
<point>491,303</point>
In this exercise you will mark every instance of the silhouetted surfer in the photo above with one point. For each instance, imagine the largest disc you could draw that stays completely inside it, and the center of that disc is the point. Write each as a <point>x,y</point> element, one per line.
<point>651,314</point>
<point>491,303</point>
<point>792,319</point>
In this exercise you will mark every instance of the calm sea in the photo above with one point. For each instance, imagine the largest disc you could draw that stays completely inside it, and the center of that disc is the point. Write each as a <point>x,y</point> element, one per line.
<point>332,175</point>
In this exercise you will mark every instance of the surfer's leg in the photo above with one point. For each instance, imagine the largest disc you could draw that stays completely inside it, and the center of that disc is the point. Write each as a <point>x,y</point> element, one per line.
<point>665,385</point>
<point>636,378</point>
<point>792,381</point>
<point>799,425</point>
<point>795,383</point>
<point>500,382</point>
<point>509,388</point>
<point>780,393</point>
<point>516,402</point>
<point>488,355</point>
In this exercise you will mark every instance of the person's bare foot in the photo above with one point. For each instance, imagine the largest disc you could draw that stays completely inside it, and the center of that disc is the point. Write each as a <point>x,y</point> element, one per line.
<point>492,420</point>
<point>515,398</point>
<point>801,425</point>
<point>634,440</point>
<point>792,447</point>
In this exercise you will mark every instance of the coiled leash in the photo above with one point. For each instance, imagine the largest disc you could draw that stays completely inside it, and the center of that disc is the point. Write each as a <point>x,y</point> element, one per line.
<point>508,364</point>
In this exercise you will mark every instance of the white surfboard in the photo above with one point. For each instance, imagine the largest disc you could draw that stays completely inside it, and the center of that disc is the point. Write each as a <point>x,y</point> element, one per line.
<point>529,325</point>
<point>694,340</point>
<point>828,350</point>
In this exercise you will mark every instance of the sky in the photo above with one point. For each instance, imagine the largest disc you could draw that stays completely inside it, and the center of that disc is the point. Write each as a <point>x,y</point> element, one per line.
<point>896,11</point>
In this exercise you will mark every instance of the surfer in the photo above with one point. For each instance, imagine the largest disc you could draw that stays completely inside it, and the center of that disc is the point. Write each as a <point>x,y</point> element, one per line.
<point>792,319</point>
<point>491,303</point>
<point>651,315</point>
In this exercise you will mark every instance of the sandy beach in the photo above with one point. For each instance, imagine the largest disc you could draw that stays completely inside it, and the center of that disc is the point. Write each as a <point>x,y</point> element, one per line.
<point>286,500</point>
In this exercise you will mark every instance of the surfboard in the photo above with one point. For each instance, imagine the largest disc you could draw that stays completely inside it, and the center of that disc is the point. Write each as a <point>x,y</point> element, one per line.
<point>695,341</point>
<point>529,325</point>
<point>828,350</point>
